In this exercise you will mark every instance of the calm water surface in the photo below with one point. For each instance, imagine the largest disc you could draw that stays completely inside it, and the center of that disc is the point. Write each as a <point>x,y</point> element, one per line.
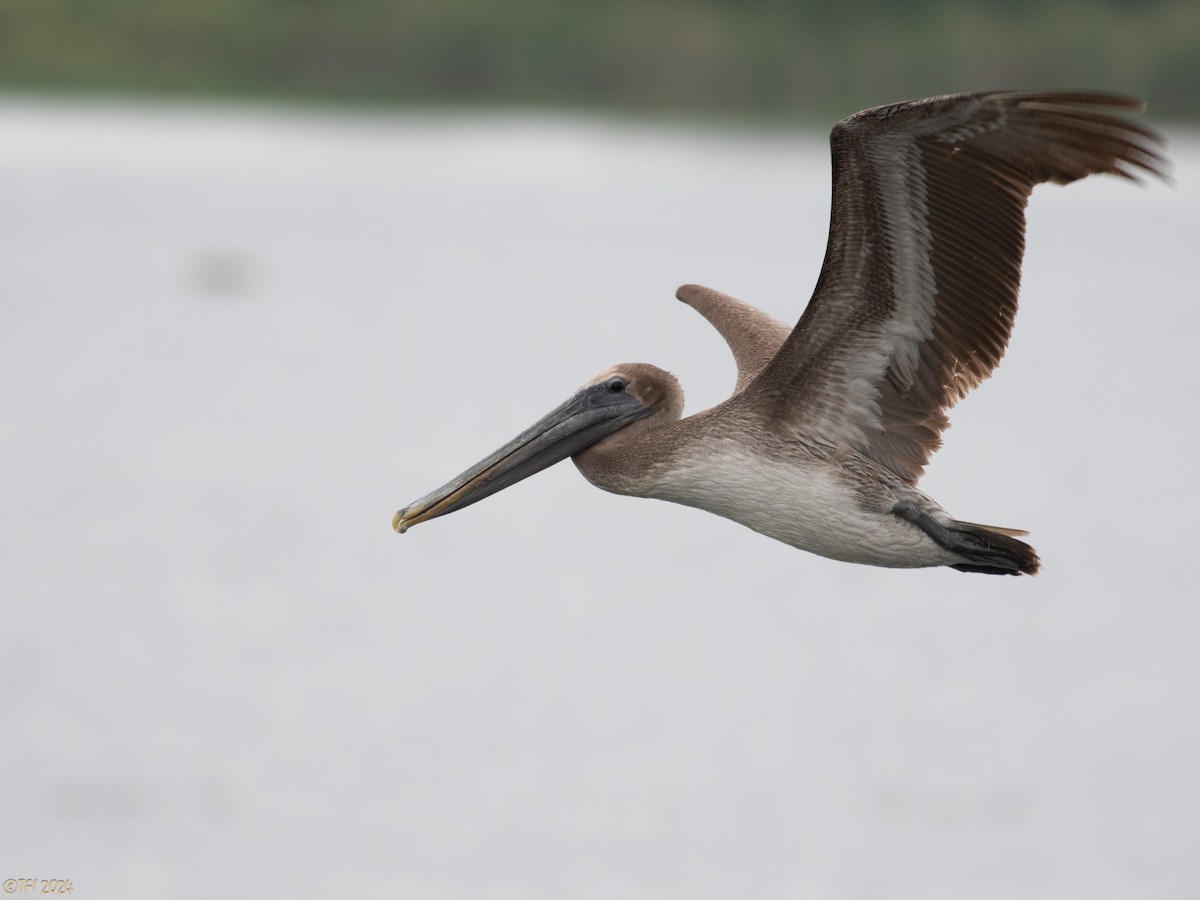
<point>236,340</point>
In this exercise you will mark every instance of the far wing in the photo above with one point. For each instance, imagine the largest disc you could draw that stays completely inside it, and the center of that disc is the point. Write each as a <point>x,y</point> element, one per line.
<point>753,336</point>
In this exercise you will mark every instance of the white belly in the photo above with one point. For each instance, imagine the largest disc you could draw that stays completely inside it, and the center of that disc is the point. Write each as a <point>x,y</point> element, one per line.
<point>808,505</point>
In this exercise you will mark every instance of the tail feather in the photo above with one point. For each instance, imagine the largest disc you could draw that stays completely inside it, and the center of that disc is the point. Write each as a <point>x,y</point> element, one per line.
<point>992,550</point>
<point>986,548</point>
<point>1008,532</point>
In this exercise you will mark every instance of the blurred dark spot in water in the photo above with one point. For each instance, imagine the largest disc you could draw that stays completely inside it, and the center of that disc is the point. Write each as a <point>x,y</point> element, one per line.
<point>222,275</point>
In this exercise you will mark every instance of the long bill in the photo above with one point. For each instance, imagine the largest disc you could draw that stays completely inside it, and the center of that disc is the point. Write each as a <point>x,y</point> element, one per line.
<point>594,412</point>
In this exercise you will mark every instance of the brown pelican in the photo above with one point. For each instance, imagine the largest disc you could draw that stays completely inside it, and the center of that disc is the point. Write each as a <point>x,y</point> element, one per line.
<point>831,423</point>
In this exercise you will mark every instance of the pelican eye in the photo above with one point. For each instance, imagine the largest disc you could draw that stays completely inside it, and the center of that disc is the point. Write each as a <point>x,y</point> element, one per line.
<point>617,385</point>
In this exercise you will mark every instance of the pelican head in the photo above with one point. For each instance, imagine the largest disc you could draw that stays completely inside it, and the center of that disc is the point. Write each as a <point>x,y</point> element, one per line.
<point>623,396</point>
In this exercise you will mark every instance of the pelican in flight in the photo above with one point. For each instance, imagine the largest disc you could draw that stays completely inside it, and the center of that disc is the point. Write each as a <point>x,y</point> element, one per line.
<point>831,423</point>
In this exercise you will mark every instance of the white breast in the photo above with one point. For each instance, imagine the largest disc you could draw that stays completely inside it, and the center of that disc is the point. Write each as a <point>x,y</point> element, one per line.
<point>808,504</point>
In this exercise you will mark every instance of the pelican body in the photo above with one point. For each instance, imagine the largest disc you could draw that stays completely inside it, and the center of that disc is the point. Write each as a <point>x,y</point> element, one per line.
<point>832,422</point>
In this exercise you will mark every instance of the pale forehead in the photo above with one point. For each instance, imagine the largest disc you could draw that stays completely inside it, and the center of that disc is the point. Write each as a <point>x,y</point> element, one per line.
<point>606,374</point>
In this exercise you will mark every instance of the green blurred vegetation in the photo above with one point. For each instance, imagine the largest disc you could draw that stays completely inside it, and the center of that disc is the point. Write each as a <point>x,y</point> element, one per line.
<point>756,57</point>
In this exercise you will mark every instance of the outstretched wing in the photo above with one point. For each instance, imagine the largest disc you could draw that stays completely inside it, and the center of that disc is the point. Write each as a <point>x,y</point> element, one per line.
<point>917,295</point>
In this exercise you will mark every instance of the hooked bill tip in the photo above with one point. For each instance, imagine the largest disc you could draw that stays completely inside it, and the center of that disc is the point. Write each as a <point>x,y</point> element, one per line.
<point>398,521</point>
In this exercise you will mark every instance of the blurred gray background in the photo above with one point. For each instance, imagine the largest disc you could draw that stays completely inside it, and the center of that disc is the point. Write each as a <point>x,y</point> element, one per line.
<point>259,292</point>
